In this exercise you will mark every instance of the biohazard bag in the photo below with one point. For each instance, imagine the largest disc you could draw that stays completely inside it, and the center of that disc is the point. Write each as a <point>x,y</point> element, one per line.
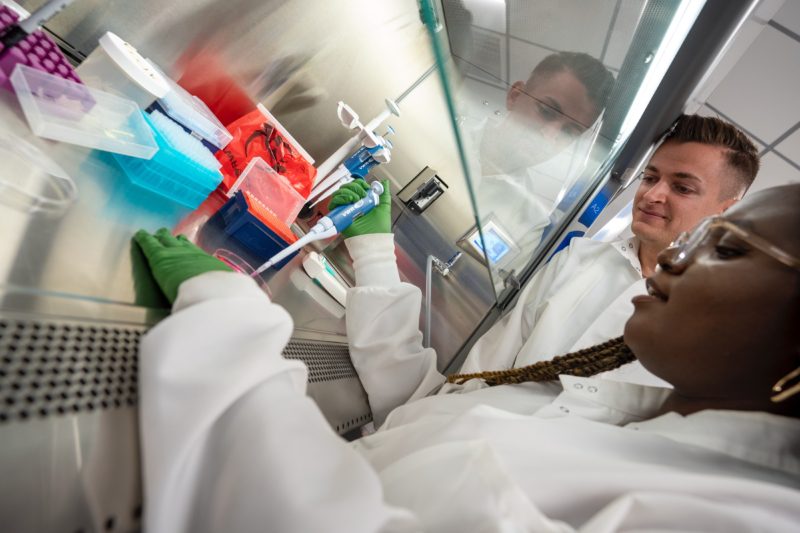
<point>259,134</point>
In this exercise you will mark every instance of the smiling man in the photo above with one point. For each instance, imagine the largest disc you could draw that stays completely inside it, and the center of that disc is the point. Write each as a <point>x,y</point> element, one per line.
<point>582,296</point>
<point>687,180</point>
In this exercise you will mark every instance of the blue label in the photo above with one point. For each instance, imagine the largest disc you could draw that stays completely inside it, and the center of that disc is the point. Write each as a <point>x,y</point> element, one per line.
<point>591,213</point>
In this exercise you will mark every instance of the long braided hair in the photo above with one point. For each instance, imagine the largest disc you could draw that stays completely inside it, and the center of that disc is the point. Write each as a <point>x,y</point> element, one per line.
<point>587,362</point>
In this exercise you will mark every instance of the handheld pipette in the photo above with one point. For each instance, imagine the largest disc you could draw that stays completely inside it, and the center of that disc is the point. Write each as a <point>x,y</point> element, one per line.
<point>356,166</point>
<point>328,226</point>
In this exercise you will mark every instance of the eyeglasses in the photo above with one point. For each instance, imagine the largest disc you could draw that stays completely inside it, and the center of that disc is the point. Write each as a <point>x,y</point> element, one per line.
<point>687,243</point>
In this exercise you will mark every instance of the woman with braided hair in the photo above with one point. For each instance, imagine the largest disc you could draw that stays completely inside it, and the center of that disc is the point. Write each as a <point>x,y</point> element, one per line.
<point>587,362</point>
<point>232,443</point>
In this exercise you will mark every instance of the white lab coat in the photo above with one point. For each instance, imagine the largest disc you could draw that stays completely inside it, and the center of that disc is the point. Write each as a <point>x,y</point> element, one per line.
<point>232,443</point>
<point>580,298</point>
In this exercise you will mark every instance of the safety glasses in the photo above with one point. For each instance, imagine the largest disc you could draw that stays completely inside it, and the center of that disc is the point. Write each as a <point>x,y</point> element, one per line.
<point>687,243</point>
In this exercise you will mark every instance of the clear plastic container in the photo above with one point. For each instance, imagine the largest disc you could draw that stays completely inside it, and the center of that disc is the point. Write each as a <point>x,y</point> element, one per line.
<point>30,180</point>
<point>273,191</point>
<point>66,111</point>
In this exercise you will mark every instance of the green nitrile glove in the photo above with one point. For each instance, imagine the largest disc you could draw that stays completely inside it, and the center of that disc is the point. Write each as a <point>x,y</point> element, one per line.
<point>379,220</point>
<point>173,260</point>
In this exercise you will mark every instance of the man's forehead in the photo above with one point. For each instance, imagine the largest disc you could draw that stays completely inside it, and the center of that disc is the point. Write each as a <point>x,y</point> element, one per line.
<point>705,162</point>
<point>565,93</point>
<point>683,175</point>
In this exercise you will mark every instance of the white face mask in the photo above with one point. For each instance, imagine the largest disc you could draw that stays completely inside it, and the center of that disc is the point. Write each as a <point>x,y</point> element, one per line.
<point>511,145</point>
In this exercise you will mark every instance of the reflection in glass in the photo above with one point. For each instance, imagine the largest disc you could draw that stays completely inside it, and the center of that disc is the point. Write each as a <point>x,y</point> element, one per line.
<point>523,161</point>
<point>538,108</point>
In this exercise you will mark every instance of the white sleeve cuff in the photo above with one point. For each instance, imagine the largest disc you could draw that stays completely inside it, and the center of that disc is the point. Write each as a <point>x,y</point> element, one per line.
<point>374,262</point>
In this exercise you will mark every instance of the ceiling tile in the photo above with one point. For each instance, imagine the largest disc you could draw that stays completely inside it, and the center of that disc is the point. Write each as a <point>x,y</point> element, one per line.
<point>774,171</point>
<point>622,33</point>
<point>760,92</point>
<point>572,25</point>
<point>706,111</point>
<point>789,16</point>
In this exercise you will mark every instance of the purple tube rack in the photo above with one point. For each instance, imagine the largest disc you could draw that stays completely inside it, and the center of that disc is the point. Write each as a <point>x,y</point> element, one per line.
<point>37,50</point>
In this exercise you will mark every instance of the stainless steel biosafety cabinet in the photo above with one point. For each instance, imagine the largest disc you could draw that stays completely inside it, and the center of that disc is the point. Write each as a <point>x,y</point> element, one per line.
<point>75,302</point>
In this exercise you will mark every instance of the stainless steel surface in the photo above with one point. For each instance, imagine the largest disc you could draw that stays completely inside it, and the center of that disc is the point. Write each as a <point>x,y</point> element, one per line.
<point>85,251</point>
<point>76,472</point>
<point>266,48</point>
<point>69,458</point>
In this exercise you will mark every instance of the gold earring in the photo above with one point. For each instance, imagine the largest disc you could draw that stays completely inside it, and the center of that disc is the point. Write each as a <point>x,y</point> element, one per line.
<point>782,392</point>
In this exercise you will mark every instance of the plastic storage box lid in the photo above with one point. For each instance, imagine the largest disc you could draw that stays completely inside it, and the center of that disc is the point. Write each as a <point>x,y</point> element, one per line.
<point>273,191</point>
<point>194,114</point>
<point>66,111</point>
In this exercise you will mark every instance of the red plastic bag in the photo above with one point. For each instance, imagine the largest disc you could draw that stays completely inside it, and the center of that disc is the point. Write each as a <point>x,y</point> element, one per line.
<point>258,134</point>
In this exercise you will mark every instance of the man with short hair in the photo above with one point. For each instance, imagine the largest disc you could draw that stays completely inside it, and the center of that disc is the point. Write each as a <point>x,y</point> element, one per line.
<point>582,296</point>
<point>522,164</point>
<point>563,97</point>
<point>703,167</point>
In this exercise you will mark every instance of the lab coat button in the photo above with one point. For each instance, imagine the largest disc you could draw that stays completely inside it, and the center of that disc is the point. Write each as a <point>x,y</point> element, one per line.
<point>563,409</point>
<point>592,389</point>
<point>578,386</point>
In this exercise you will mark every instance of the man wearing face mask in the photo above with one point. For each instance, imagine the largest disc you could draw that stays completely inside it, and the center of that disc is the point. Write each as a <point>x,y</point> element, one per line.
<point>562,98</point>
<point>582,297</point>
<point>521,165</point>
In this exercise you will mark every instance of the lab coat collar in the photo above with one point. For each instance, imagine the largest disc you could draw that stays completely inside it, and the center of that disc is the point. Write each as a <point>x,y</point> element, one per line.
<point>628,247</point>
<point>753,436</point>
<point>612,402</point>
<point>756,437</point>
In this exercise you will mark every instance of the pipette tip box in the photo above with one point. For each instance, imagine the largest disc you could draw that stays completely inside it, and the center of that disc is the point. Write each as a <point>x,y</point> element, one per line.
<point>173,172</point>
<point>273,191</point>
<point>243,222</point>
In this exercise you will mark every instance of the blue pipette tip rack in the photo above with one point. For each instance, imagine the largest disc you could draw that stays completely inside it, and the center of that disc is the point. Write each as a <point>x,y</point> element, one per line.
<point>171,173</point>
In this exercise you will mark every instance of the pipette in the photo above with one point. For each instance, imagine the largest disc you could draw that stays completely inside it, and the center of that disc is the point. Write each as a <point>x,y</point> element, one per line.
<point>328,226</point>
<point>356,166</point>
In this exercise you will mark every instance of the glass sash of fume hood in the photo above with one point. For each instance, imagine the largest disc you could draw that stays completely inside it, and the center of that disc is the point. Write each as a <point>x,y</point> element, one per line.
<point>542,98</point>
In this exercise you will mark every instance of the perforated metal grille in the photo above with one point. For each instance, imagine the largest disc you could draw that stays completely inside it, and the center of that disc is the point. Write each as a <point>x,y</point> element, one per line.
<point>353,423</point>
<point>59,367</point>
<point>326,362</point>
